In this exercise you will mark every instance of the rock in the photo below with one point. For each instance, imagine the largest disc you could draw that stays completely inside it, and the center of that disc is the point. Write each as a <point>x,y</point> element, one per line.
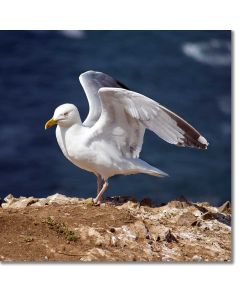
<point>180,202</point>
<point>196,223</point>
<point>127,234</point>
<point>197,258</point>
<point>223,219</point>
<point>157,231</point>
<point>41,202</point>
<point>10,199</point>
<point>90,235</point>
<point>217,216</point>
<point>129,205</point>
<point>97,238</point>
<point>97,254</point>
<point>61,199</point>
<point>113,240</point>
<point>57,196</point>
<point>225,208</point>
<point>208,216</point>
<point>119,200</point>
<point>139,229</point>
<point>201,208</point>
<point>124,236</point>
<point>21,203</point>
<point>186,219</point>
<point>146,202</point>
<point>5,205</point>
<point>170,237</point>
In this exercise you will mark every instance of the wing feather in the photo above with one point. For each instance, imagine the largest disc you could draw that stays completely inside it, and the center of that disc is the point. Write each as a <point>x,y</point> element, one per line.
<point>151,115</point>
<point>91,82</point>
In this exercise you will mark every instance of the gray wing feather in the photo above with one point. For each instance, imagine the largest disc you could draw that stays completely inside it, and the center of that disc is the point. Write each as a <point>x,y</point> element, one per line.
<point>155,117</point>
<point>91,82</point>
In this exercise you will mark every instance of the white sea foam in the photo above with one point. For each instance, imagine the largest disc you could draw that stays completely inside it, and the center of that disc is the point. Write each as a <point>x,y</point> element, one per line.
<point>74,34</point>
<point>213,52</point>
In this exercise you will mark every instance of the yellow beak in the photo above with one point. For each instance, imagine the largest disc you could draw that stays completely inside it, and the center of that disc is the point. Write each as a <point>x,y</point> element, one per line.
<point>50,123</point>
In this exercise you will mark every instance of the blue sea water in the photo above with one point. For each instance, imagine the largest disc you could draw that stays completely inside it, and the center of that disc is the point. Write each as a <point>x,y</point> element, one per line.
<point>187,71</point>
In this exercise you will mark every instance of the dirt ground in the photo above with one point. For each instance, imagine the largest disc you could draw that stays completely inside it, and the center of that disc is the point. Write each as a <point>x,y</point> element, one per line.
<point>28,234</point>
<point>178,231</point>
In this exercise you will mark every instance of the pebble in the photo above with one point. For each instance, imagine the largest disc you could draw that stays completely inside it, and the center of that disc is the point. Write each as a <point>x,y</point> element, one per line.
<point>197,258</point>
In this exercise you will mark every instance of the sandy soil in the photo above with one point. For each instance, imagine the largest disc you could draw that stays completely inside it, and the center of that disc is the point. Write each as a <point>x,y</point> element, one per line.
<point>59,228</point>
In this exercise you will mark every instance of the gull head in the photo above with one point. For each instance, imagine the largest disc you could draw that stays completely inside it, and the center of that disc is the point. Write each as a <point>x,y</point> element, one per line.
<point>64,115</point>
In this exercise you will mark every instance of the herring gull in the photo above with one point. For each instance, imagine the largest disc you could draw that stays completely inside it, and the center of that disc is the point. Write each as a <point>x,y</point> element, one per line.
<point>110,140</point>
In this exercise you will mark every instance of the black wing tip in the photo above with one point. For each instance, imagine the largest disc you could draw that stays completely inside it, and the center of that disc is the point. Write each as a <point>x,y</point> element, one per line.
<point>122,85</point>
<point>198,143</point>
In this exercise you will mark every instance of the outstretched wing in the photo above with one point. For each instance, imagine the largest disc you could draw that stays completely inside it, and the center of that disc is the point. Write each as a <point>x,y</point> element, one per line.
<point>91,82</point>
<point>126,114</point>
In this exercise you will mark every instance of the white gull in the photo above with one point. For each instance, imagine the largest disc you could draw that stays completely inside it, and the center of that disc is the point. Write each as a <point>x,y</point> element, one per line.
<point>110,140</point>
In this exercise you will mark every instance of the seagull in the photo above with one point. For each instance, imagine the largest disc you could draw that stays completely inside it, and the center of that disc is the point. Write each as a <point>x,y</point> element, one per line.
<point>110,140</point>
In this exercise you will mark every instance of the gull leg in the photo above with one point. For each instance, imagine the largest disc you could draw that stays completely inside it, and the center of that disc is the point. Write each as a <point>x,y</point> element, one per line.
<point>98,199</point>
<point>99,183</point>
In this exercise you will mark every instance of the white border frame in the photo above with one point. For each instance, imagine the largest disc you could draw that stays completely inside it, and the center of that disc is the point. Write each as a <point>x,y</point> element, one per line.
<point>137,281</point>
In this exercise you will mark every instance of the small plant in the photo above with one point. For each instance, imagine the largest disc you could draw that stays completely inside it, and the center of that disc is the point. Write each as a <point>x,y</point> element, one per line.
<point>28,239</point>
<point>61,229</point>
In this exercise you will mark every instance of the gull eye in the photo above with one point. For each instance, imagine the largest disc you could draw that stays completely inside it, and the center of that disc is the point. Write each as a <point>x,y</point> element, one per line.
<point>65,114</point>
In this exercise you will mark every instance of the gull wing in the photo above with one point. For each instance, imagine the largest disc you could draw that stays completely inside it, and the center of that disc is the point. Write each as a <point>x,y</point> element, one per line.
<point>91,82</point>
<point>126,115</point>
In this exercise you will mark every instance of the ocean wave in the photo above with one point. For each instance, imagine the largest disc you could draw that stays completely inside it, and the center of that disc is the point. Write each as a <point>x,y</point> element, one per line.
<point>224,104</point>
<point>73,34</point>
<point>225,128</point>
<point>213,52</point>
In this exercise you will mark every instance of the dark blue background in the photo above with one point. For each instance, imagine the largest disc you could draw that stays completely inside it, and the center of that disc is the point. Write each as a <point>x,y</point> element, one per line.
<point>39,70</point>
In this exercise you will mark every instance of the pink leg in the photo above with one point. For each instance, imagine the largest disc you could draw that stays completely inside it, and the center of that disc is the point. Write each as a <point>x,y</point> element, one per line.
<point>98,199</point>
<point>99,183</point>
